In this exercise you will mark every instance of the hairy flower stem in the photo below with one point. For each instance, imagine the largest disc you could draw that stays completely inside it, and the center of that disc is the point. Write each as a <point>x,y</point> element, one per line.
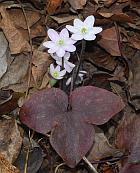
<point>89,165</point>
<point>62,68</point>
<point>80,61</point>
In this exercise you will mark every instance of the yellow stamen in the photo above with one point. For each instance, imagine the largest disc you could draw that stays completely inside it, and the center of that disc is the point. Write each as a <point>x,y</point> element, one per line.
<point>84,30</point>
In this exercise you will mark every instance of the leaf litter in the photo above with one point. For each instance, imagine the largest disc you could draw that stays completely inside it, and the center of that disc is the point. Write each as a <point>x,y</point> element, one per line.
<point>111,63</point>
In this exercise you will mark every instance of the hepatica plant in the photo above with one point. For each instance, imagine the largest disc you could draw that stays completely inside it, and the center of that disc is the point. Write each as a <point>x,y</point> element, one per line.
<point>72,130</point>
<point>70,119</point>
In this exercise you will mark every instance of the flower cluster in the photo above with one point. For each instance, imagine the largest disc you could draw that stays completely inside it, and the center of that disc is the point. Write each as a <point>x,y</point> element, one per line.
<point>61,44</point>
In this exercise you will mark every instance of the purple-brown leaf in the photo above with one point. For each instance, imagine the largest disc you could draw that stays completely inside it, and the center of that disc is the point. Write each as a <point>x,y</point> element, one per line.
<point>42,111</point>
<point>98,105</point>
<point>72,138</point>
<point>72,130</point>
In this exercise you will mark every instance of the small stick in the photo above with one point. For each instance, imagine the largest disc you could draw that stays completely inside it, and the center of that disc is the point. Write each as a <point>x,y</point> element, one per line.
<point>58,166</point>
<point>28,151</point>
<point>89,165</point>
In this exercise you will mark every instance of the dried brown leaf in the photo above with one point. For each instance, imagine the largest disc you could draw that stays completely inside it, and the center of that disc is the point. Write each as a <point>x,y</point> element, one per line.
<point>109,41</point>
<point>17,42</point>
<point>40,62</point>
<point>77,4</point>
<point>52,5</point>
<point>10,139</point>
<point>101,148</point>
<point>16,71</point>
<point>6,167</point>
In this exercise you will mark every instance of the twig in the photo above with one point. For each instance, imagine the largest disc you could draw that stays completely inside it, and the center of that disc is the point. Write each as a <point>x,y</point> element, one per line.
<point>30,41</point>
<point>89,165</point>
<point>28,151</point>
<point>29,79</point>
<point>58,166</point>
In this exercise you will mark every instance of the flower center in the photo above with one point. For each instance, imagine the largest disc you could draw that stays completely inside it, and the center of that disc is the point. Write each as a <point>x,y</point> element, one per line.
<point>60,42</point>
<point>83,30</point>
<point>55,74</point>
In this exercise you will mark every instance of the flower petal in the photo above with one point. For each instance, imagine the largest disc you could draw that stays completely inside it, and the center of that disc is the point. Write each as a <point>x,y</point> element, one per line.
<point>89,21</point>
<point>67,56</point>
<point>53,49</point>
<point>78,23</point>
<point>97,30</point>
<point>70,48</point>
<point>59,77</point>
<point>51,69</point>
<point>70,41</point>
<point>71,64</point>
<point>53,35</point>
<point>62,73</point>
<point>49,44</point>
<point>59,63</point>
<point>83,72</point>
<point>68,68</point>
<point>77,37</point>
<point>64,33</point>
<point>89,37</point>
<point>57,68</point>
<point>60,52</point>
<point>55,57</point>
<point>68,81</point>
<point>71,28</point>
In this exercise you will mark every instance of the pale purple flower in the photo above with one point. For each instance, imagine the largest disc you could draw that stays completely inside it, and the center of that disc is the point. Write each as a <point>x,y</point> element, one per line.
<point>80,75</point>
<point>56,72</point>
<point>84,30</point>
<point>67,65</point>
<point>60,43</point>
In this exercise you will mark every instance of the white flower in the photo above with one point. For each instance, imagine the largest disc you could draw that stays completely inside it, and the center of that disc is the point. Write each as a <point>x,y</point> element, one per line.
<point>80,75</point>
<point>56,73</point>
<point>60,43</point>
<point>84,30</point>
<point>67,65</point>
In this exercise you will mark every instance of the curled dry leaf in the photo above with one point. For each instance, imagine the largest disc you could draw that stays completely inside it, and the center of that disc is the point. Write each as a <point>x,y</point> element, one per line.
<point>102,148</point>
<point>17,42</point>
<point>10,140</point>
<point>52,5</point>
<point>72,132</point>
<point>77,4</point>
<point>109,41</point>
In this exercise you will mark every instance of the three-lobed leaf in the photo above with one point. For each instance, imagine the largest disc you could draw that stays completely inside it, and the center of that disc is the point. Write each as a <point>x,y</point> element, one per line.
<point>72,131</point>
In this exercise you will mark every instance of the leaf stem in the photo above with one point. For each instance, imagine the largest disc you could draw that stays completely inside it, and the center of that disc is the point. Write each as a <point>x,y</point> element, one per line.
<point>89,165</point>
